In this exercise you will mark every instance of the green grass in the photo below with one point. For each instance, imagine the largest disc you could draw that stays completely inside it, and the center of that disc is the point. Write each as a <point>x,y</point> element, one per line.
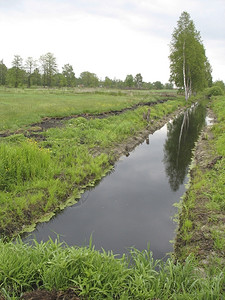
<point>37,177</point>
<point>100,275</point>
<point>21,107</point>
<point>203,208</point>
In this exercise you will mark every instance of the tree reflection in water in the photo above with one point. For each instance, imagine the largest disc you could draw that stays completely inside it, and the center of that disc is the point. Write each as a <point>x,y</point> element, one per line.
<point>182,134</point>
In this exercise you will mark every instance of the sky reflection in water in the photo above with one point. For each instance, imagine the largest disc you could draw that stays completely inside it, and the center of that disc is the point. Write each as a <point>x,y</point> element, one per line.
<point>132,206</point>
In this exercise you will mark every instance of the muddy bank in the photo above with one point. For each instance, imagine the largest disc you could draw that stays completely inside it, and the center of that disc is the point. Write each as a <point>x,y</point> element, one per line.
<point>50,122</point>
<point>198,221</point>
<point>69,294</point>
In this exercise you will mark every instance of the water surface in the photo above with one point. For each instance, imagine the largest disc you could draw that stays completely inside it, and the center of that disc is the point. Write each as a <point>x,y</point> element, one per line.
<point>133,205</point>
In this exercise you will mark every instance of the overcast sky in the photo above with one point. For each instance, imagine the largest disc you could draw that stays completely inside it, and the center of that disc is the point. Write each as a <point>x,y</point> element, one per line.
<point>109,37</point>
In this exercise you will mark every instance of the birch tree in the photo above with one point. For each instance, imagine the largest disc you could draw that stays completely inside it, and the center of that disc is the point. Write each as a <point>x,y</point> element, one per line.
<point>189,67</point>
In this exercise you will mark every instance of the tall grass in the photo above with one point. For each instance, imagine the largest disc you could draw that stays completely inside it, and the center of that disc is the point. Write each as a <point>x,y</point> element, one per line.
<point>22,162</point>
<point>100,275</point>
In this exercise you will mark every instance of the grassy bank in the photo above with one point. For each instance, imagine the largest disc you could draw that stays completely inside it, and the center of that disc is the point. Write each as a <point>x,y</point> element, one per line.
<point>41,172</point>
<point>201,228</point>
<point>89,274</point>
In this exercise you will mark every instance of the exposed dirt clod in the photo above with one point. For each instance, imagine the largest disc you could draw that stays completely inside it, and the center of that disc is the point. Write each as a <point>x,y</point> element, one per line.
<point>70,294</point>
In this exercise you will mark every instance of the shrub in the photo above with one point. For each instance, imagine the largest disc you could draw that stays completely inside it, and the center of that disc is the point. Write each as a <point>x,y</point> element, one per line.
<point>214,91</point>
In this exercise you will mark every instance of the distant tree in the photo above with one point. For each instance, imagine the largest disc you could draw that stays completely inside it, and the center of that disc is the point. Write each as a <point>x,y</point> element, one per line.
<point>3,73</point>
<point>148,85</point>
<point>118,83</point>
<point>69,75</point>
<point>108,83</point>
<point>88,79</point>
<point>129,81</point>
<point>48,67</point>
<point>16,74</point>
<point>30,65</point>
<point>158,85</point>
<point>168,86</point>
<point>138,80</point>
<point>189,66</point>
<point>219,83</point>
<point>59,80</point>
<point>36,77</point>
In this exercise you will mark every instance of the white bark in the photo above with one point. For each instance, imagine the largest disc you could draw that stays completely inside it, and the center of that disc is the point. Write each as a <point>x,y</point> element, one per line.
<point>184,74</point>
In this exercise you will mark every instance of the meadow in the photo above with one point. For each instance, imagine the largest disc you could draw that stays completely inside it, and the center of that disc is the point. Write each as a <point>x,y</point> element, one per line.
<point>22,107</point>
<point>41,171</point>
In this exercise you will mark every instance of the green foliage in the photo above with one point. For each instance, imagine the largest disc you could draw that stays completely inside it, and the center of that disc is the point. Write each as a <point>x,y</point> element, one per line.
<point>69,75</point>
<point>138,80</point>
<point>158,85</point>
<point>129,81</point>
<point>3,73</point>
<point>220,83</point>
<point>100,275</point>
<point>88,79</point>
<point>48,67</point>
<point>214,91</point>
<point>23,162</point>
<point>44,73</point>
<point>189,66</point>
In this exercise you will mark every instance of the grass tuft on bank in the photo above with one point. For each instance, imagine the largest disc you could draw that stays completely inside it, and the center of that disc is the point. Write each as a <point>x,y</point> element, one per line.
<point>101,275</point>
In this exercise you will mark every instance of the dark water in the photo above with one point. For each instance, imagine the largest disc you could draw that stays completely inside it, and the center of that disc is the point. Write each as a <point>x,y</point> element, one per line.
<point>133,206</point>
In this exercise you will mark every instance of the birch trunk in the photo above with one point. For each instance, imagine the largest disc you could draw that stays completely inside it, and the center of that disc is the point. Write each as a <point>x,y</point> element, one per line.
<point>184,74</point>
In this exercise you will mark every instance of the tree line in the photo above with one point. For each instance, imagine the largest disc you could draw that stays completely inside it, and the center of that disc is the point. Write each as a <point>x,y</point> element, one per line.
<point>44,72</point>
<point>190,70</point>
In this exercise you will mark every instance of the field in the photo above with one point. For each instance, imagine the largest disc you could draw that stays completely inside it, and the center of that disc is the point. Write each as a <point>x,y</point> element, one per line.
<point>53,145</point>
<point>22,107</point>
